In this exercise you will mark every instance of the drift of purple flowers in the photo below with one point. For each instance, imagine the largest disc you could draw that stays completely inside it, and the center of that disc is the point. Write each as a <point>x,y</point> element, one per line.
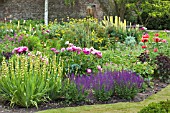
<point>103,86</point>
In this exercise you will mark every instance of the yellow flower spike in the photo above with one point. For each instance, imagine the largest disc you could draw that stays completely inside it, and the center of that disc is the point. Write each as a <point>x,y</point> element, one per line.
<point>4,68</point>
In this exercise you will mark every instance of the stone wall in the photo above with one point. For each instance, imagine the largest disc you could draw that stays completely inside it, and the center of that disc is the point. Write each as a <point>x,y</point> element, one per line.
<point>34,9</point>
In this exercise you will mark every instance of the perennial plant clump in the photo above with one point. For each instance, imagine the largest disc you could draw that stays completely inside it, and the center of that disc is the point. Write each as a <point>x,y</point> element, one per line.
<point>28,80</point>
<point>103,86</point>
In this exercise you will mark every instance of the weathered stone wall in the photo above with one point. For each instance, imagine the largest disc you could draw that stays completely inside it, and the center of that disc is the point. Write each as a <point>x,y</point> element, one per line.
<point>34,9</point>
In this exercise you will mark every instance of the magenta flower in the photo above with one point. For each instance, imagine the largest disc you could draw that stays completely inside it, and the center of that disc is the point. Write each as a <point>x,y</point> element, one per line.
<point>25,48</point>
<point>74,48</point>
<point>20,50</point>
<point>53,49</point>
<point>63,49</point>
<point>69,49</point>
<point>56,51</point>
<point>89,71</point>
<point>99,54</point>
<point>86,51</point>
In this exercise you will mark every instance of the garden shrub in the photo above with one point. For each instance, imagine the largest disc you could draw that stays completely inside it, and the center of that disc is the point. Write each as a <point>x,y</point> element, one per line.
<point>161,107</point>
<point>72,94</point>
<point>28,80</point>
<point>163,68</point>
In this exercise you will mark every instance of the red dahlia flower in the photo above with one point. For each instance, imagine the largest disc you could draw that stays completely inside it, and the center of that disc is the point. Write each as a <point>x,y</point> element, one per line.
<point>145,36</point>
<point>156,39</point>
<point>155,50</point>
<point>144,46</point>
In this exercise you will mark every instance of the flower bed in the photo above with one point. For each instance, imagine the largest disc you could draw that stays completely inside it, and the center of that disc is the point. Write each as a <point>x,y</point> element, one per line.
<point>79,61</point>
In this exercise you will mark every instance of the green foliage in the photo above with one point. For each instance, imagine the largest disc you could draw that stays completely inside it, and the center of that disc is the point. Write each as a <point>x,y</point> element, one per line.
<point>161,107</point>
<point>163,68</point>
<point>32,42</point>
<point>103,95</point>
<point>130,41</point>
<point>150,11</point>
<point>72,94</point>
<point>27,81</point>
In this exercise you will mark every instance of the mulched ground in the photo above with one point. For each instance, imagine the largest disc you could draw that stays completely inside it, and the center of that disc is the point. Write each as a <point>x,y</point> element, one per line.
<point>4,108</point>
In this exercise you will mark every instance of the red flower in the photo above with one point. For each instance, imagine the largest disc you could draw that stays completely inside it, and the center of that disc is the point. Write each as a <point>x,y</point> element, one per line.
<point>144,40</point>
<point>156,34</point>
<point>145,36</point>
<point>156,39</point>
<point>155,50</point>
<point>144,46</point>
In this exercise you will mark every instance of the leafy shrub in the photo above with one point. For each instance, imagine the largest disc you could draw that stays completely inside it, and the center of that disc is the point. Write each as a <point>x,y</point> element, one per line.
<point>130,41</point>
<point>163,68</point>
<point>78,59</point>
<point>28,80</point>
<point>32,42</point>
<point>72,93</point>
<point>161,107</point>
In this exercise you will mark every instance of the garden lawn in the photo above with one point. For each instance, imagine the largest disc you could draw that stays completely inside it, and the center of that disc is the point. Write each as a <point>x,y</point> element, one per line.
<point>122,107</point>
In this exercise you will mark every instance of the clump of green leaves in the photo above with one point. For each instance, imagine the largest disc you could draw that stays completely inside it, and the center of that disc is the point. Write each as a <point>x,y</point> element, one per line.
<point>163,68</point>
<point>27,81</point>
<point>161,107</point>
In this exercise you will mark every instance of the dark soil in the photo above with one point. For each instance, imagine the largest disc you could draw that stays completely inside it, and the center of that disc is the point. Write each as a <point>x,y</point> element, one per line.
<point>4,107</point>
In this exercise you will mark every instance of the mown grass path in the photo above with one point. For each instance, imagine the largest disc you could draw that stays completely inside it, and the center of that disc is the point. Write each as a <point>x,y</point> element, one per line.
<point>122,107</point>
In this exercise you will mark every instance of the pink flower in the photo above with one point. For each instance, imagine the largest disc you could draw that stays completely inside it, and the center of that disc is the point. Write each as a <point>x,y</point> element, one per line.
<point>69,49</point>
<point>53,49</point>
<point>99,68</point>
<point>25,48</point>
<point>29,54</point>
<point>74,48</point>
<point>89,71</point>
<point>63,49</point>
<point>79,49</point>
<point>164,41</point>
<point>86,51</point>
<point>99,54</point>
<point>92,49</point>
<point>56,51</point>
<point>20,50</point>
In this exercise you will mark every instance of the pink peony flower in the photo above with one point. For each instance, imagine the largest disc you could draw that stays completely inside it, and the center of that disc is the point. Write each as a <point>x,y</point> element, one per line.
<point>63,49</point>
<point>69,49</point>
<point>86,51</point>
<point>56,51</point>
<point>89,71</point>
<point>74,48</point>
<point>53,49</point>
<point>25,49</point>
<point>99,54</point>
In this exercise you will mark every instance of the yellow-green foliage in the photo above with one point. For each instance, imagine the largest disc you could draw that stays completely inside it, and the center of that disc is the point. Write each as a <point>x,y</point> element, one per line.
<point>28,80</point>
